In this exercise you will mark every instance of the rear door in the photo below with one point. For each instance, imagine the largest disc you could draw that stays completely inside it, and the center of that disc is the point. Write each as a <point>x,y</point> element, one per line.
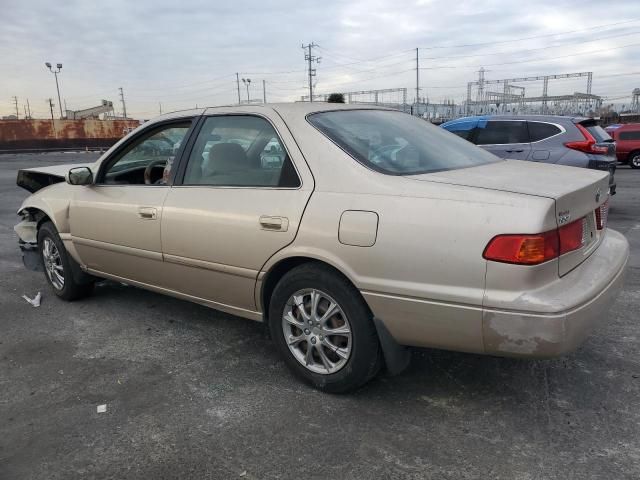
<point>504,138</point>
<point>242,190</point>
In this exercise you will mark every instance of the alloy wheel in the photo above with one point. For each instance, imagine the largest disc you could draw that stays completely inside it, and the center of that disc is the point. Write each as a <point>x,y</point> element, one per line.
<point>317,331</point>
<point>635,161</point>
<point>53,263</point>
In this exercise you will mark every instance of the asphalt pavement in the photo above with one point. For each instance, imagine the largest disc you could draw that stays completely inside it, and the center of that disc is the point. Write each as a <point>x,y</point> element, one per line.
<point>194,393</point>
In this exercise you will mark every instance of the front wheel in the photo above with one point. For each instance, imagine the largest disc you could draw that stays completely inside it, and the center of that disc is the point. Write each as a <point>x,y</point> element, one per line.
<point>58,265</point>
<point>323,329</point>
<point>634,160</point>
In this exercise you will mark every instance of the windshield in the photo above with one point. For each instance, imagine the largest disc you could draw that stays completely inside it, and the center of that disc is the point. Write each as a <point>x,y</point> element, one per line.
<point>396,143</point>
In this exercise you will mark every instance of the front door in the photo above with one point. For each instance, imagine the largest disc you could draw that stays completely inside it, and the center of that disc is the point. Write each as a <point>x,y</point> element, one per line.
<point>115,223</point>
<point>504,138</point>
<point>239,200</point>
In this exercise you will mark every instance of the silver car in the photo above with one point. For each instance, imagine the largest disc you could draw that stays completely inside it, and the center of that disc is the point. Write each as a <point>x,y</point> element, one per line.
<point>369,231</point>
<point>563,140</point>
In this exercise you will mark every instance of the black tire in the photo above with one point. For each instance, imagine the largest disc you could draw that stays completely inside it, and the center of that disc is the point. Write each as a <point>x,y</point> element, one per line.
<point>72,289</point>
<point>365,358</point>
<point>634,159</point>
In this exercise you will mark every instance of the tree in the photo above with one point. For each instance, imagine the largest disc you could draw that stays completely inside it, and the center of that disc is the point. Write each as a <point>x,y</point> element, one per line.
<point>336,98</point>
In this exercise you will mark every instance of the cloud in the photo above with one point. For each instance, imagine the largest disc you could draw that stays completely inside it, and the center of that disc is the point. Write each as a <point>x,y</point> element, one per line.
<point>183,53</point>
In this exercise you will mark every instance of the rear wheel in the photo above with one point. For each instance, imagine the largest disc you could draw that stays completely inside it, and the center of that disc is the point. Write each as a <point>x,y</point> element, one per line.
<point>58,265</point>
<point>323,329</point>
<point>634,159</point>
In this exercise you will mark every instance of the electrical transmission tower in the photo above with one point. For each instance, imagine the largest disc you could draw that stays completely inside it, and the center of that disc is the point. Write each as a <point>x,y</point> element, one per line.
<point>124,106</point>
<point>310,58</point>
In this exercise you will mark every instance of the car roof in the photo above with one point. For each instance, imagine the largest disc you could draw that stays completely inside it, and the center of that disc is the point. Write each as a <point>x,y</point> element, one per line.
<point>539,118</point>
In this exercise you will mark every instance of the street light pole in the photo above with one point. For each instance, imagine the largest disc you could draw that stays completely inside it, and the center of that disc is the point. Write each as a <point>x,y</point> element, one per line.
<point>247,82</point>
<point>55,74</point>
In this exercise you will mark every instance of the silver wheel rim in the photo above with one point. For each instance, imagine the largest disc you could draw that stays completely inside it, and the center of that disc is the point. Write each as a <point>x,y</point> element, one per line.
<point>53,264</point>
<point>317,331</point>
<point>636,161</point>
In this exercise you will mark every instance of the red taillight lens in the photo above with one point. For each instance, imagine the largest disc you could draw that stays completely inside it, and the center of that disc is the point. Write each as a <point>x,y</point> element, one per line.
<point>588,145</point>
<point>602,212</point>
<point>523,249</point>
<point>572,236</point>
<point>538,248</point>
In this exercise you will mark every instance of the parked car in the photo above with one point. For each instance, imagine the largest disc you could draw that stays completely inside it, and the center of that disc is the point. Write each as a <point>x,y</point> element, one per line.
<point>627,138</point>
<point>574,141</point>
<point>376,232</point>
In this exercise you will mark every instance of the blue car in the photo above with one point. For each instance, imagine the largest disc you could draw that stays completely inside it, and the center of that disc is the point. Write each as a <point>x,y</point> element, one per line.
<point>574,141</point>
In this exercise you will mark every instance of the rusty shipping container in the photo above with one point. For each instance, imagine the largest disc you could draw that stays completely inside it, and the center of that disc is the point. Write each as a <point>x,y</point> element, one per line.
<point>31,135</point>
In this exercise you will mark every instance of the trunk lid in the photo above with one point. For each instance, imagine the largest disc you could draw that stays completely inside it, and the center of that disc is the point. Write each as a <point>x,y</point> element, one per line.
<point>577,193</point>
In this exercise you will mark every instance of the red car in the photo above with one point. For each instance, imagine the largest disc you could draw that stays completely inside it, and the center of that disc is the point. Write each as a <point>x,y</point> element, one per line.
<point>627,138</point>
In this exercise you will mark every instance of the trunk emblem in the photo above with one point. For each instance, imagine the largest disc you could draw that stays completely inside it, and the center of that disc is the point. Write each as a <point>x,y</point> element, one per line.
<point>564,217</point>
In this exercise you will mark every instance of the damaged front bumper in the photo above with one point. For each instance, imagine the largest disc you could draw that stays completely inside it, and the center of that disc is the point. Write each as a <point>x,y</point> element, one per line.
<point>27,231</point>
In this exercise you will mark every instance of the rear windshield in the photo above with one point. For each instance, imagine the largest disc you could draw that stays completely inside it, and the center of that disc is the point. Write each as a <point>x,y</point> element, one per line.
<point>597,132</point>
<point>396,143</point>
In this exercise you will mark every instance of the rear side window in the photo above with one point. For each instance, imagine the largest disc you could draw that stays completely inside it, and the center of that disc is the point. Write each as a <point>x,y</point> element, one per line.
<point>396,143</point>
<point>540,130</point>
<point>502,132</point>
<point>629,135</point>
<point>239,151</point>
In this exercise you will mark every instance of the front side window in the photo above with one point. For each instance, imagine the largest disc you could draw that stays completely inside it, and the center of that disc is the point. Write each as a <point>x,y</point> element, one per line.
<point>396,143</point>
<point>239,150</point>
<point>502,132</point>
<point>147,160</point>
<point>630,135</point>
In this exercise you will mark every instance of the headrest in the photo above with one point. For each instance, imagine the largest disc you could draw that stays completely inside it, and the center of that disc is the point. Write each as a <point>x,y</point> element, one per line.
<point>225,158</point>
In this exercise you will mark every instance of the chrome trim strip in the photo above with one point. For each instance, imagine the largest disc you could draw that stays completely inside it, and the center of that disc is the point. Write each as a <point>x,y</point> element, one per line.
<point>138,252</point>
<point>241,312</point>
<point>216,267</point>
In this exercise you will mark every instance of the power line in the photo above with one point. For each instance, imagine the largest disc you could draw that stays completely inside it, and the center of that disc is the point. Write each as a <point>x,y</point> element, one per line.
<point>433,47</point>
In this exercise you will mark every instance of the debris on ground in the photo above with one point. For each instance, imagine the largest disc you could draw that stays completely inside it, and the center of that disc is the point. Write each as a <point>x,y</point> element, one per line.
<point>243,473</point>
<point>35,301</point>
<point>102,408</point>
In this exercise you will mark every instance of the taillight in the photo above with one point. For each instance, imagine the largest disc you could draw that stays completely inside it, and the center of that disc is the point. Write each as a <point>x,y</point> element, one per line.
<point>572,236</point>
<point>538,248</point>
<point>588,145</point>
<point>602,212</point>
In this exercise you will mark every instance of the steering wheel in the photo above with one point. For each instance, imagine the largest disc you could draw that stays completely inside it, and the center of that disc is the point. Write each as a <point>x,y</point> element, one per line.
<point>150,167</point>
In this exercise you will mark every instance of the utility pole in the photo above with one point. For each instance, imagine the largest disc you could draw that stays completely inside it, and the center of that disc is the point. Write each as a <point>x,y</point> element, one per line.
<point>160,105</point>
<point>310,58</point>
<point>124,106</point>
<point>264,92</point>
<point>51,108</point>
<point>28,108</point>
<point>247,82</point>
<point>15,102</point>
<point>238,84</point>
<point>55,73</point>
<point>417,80</point>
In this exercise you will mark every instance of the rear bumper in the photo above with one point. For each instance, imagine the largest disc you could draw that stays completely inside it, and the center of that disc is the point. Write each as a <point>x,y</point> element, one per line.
<point>545,322</point>
<point>598,280</point>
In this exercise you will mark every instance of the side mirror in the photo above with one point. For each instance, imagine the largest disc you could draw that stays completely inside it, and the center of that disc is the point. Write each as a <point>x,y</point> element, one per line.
<point>80,176</point>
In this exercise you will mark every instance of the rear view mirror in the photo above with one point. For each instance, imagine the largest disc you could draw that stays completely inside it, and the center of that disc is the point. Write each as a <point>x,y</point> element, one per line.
<point>80,176</point>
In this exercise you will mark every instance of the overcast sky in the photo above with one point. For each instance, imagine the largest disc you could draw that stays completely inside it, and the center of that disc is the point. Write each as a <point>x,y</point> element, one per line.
<point>185,52</point>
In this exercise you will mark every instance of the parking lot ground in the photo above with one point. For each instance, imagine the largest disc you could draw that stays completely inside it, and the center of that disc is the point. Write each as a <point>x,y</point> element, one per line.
<point>193,393</point>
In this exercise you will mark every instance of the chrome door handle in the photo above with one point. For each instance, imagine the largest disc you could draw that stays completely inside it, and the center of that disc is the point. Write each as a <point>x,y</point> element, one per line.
<point>147,213</point>
<point>277,224</point>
